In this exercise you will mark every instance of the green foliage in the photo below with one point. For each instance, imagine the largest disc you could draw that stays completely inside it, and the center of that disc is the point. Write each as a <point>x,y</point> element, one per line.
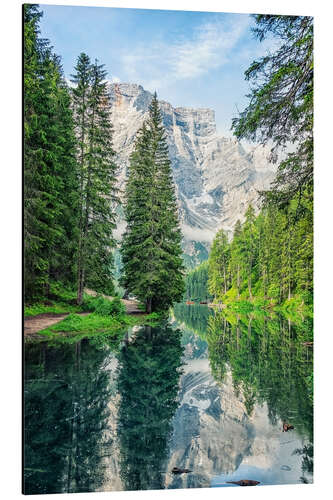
<point>280,110</point>
<point>196,283</point>
<point>151,246</point>
<point>148,382</point>
<point>69,172</point>
<point>270,260</point>
<point>50,307</point>
<point>97,177</point>
<point>60,300</point>
<point>219,257</point>
<point>272,255</point>
<point>50,182</point>
<point>105,307</point>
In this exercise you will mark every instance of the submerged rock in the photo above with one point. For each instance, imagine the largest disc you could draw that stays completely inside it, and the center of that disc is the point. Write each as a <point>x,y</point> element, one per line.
<point>245,482</point>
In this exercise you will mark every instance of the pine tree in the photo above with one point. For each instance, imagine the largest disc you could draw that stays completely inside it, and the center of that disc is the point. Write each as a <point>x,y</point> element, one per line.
<point>197,283</point>
<point>219,265</point>
<point>280,113</point>
<point>97,180</point>
<point>151,250</point>
<point>49,166</point>
<point>236,262</point>
<point>280,110</point>
<point>250,246</point>
<point>270,256</point>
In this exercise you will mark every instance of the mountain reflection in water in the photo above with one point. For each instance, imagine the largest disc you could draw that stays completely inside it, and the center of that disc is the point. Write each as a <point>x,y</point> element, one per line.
<point>203,391</point>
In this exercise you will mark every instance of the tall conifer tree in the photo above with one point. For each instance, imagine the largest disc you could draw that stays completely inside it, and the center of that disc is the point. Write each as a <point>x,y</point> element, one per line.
<point>96,177</point>
<point>49,165</point>
<point>280,109</point>
<point>219,258</point>
<point>151,247</point>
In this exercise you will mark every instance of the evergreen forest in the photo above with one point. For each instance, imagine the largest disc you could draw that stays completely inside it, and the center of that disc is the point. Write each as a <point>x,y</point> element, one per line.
<point>138,365</point>
<point>70,191</point>
<point>71,198</point>
<point>269,259</point>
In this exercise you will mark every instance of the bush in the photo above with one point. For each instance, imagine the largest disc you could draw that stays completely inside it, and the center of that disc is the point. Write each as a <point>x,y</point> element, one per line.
<point>89,303</point>
<point>110,307</point>
<point>59,292</point>
<point>104,307</point>
<point>230,296</point>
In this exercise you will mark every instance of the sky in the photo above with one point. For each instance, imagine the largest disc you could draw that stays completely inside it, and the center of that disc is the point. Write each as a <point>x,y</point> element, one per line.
<point>191,59</point>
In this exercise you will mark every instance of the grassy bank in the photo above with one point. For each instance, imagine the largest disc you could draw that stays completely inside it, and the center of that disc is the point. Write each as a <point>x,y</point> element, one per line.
<point>62,301</point>
<point>300,305</point>
<point>59,301</point>
<point>75,327</point>
<point>105,318</point>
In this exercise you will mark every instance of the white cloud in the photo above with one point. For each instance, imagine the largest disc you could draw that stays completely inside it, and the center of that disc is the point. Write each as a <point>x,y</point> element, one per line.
<point>69,83</point>
<point>114,79</point>
<point>209,48</point>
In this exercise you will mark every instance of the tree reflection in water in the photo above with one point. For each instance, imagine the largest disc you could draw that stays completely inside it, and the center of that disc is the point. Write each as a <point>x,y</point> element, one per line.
<point>270,361</point>
<point>195,316</point>
<point>148,380</point>
<point>67,389</point>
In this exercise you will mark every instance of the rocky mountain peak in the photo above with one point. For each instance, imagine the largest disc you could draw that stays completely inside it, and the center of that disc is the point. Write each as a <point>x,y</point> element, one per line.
<point>216,178</point>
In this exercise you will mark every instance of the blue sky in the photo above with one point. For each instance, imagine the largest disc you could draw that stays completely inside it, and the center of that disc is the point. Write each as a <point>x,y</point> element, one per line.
<point>194,59</point>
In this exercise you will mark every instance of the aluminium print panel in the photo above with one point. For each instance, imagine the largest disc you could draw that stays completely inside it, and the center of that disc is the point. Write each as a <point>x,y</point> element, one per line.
<point>168,249</point>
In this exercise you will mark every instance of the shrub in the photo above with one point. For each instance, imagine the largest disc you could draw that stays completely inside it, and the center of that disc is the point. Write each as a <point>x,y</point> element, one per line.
<point>230,296</point>
<point>59,292</point>
<point>89,303</point>
<point>104,307</point>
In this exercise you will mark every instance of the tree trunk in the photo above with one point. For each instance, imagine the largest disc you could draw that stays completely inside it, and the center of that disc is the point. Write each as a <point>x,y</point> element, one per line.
<point>80,287</point>
<point>148,305</point>
<point>250,280</point>
<point>225,279</point>
<point>238,281</point>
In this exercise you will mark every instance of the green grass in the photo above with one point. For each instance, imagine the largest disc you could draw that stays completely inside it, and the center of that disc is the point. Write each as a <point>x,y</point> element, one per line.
<point>51,307</point>
<point>62,301</point>
<point>86,324</point>
<point>298,306</point>
<point>59,301</point>
<point>94,324</point>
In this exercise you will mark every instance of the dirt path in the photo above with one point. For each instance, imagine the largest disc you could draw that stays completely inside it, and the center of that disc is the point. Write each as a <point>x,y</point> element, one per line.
<point>34,324</point>
<point>132,306</point>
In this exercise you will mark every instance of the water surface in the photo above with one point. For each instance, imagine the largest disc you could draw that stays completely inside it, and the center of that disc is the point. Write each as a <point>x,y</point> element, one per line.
<point>202,391</point>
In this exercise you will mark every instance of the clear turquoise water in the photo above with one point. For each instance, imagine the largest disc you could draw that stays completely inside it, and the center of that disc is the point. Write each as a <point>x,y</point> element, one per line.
<point>202,391</point>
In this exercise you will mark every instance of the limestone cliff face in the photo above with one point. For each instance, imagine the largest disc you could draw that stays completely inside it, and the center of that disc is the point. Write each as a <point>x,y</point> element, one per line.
<point>215,437</point>
<point>215,177</point>
<point>212,432</point>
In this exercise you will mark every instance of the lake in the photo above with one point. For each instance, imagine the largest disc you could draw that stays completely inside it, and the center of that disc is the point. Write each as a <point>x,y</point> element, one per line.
<point>206,391</point>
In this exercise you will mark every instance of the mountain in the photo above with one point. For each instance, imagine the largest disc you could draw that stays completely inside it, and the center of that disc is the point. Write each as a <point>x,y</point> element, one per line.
<point>216,178</point>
